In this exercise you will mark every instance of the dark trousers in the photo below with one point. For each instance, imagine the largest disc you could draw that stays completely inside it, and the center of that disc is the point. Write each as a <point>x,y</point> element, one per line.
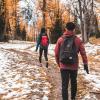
<point>67,75</point>
<point>45,50</point>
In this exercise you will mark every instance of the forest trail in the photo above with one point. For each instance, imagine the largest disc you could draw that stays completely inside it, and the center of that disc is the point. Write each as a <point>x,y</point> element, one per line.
<point>23,79</point>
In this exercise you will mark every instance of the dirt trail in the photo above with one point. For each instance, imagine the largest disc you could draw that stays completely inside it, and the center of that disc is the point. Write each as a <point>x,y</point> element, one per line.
<point>54,77</point>
<point>83,84</point>
<point>53,72</point>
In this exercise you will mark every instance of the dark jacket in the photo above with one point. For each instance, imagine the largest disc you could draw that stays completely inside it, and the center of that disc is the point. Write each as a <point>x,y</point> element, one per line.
<point>79,46</point>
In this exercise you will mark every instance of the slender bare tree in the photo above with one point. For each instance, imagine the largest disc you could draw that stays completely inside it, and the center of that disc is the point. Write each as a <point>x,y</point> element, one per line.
<point>84,12</point>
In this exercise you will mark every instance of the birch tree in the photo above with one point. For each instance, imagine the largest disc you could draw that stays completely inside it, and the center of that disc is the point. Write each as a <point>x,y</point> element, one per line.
<point>84,12</point>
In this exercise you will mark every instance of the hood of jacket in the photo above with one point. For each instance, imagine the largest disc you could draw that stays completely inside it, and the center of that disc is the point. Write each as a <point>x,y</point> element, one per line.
<point>68,33</point>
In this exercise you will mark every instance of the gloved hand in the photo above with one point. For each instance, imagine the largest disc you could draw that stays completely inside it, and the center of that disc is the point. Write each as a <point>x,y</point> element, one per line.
<point>86,68</point>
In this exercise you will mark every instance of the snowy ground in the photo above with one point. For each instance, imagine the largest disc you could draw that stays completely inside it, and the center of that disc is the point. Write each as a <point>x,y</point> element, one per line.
<point>93,79</point>
<point>21,79</point>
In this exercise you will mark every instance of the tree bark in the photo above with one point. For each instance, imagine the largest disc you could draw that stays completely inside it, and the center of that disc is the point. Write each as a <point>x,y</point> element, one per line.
<point>44,11</point>
<point>81,20</point>
<point>85,30</point>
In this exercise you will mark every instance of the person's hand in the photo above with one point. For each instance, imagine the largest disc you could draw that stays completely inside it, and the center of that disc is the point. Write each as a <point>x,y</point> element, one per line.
<point>86,68</point>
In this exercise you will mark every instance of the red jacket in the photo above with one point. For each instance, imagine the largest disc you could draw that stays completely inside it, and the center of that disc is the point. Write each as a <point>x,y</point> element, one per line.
<point>79,46</point>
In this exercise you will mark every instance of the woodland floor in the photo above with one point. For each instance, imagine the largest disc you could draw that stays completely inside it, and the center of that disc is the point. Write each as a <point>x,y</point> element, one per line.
<point>27,66</point>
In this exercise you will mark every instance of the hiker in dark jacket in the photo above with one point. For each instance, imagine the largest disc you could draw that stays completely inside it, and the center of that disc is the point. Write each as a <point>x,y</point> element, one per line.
<point>69,71</point>
<point>43,43</point>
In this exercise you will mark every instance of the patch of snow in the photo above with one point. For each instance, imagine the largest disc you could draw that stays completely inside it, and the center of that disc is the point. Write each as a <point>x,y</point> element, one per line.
<point>2,91</point>
<point>45,98</point>
<point>93,78</point>
<point>89,97</point>
<point>91,49</point>
<point>51,49</point>
<point>17,77</point>
<point>16,45</point>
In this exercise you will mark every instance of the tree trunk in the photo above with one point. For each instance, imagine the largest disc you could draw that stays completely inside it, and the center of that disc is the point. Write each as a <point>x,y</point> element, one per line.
<point>81,21</point>
<point>85,30</point>
<point>44,11</point>
<point>5,17</point>
<point>96,28</point>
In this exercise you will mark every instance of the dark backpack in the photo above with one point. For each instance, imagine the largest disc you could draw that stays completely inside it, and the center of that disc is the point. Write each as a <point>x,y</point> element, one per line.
<point>68,52</point>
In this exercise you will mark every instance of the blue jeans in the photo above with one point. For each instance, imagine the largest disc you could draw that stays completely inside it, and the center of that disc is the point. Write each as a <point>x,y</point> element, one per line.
<point>67,75</point>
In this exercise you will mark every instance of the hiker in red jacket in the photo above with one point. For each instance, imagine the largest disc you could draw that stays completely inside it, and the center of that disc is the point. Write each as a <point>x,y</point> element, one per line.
<point>69,69</point>
<point>43,42</point>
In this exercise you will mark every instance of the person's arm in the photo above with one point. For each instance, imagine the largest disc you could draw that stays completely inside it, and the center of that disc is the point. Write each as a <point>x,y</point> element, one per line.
<point>84,57</point>
<point>48,40</point>
<point>38,42</point>
<point>57,49</point>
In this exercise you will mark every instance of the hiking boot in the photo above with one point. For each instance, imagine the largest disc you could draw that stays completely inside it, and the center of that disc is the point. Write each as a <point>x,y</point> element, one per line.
<point>46,65</point>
